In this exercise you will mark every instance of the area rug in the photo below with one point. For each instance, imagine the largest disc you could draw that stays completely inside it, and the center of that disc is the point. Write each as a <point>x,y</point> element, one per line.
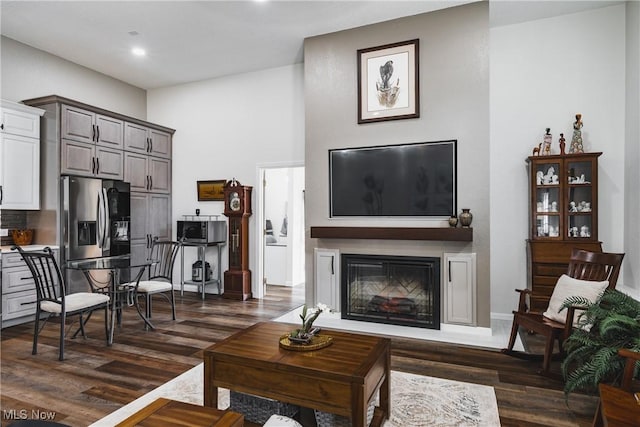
<point>416,401</point>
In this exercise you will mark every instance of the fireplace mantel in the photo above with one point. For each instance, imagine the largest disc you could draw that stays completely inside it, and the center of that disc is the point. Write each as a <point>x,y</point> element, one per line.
<point>394,233</point>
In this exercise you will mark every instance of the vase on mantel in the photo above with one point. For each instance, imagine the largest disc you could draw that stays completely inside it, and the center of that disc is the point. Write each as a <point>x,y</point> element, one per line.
<point>453,220</point>
<point>465,217</point>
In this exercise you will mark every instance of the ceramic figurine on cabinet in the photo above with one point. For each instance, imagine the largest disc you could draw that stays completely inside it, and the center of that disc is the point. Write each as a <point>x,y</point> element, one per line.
<point>539,178</point>
<point>584,231</point>
<point>546,145</point>
<point>551,177</point>
<point>573,207</point>
<point>576,140</point>
<point>562,144</point>
<point>573,232</point>
<point>536,150</point>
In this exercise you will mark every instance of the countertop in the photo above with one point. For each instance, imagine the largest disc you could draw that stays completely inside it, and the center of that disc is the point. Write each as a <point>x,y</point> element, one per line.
<point>7,249</point>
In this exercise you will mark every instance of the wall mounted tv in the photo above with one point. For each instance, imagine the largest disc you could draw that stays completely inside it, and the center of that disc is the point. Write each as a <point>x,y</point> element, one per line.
<point>405,180</point>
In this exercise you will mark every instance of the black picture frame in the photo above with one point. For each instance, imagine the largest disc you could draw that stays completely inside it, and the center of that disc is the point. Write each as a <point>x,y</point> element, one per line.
<point>388,82</point>
<point>211,191</point>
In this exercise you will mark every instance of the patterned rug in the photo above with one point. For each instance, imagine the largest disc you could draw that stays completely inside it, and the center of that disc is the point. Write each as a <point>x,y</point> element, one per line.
<point>416,401</point>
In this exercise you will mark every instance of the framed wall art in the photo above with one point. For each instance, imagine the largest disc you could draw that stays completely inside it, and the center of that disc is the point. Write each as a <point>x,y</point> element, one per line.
<point>388,82</point>
<point>211,190</point>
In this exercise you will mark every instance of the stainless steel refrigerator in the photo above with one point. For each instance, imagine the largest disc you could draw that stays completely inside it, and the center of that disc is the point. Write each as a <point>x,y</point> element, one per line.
<point>95,222</point>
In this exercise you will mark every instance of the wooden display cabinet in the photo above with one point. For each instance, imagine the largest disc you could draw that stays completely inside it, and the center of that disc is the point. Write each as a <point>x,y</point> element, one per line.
<point>563,214</point>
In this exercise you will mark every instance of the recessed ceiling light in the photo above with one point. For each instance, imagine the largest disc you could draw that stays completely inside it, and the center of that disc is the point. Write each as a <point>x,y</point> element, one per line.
<point>138,51</point>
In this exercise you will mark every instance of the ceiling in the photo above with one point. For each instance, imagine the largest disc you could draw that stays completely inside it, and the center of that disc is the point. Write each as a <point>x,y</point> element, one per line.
<point>189,41</point>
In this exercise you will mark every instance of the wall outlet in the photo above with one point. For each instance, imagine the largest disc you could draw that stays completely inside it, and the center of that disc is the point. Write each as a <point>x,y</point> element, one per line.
<point>4,232</point>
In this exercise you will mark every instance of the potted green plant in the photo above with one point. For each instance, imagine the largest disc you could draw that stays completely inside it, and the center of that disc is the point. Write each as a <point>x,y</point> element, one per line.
<point>605,326</point>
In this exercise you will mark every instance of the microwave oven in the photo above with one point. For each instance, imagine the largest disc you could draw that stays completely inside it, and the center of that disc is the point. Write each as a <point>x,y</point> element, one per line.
<point>202,231</point>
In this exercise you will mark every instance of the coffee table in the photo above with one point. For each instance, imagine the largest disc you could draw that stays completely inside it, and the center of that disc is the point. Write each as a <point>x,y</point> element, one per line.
<point>341,379</point>
<point>163,412</point>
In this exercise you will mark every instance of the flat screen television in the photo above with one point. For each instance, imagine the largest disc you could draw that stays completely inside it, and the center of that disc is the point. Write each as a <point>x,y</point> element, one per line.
<point>405,180</point>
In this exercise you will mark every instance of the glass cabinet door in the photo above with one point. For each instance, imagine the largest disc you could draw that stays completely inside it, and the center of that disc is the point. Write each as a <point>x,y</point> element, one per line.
<point>547,201</point>
<point>580,206</point>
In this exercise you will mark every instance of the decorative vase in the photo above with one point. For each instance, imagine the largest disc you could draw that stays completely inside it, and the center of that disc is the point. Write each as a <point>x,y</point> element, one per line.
<point>453,220</point>
<point>466,217</point>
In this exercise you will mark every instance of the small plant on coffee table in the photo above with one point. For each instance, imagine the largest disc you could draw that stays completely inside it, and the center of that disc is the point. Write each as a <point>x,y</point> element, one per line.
<point>305,333</point>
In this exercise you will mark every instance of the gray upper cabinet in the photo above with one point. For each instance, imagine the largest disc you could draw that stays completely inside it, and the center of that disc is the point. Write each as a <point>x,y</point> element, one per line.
<point>91,144</point>
<point>142,139</point>
<point>136,171</point>
<point>86,126</point>
<point>147,164</point>
<point>146,173</point>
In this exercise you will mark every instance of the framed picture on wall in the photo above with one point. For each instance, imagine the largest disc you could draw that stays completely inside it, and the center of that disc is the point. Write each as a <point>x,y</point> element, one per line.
<point>388,82</point>
<point>211,190</point>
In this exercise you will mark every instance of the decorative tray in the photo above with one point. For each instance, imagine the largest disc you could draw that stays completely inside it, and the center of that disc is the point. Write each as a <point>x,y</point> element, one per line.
<point>317,342</point>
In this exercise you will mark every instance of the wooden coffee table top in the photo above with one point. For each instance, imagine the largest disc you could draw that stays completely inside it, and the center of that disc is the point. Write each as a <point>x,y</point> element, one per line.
<point>350,355</point>
<point>166,412</point>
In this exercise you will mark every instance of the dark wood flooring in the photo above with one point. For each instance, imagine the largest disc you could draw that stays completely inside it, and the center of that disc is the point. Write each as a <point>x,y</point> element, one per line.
<point>95,380</point>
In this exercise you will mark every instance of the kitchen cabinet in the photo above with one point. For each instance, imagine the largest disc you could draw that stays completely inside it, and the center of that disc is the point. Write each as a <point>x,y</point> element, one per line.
<point>147,164</point>
<point>92,161</point>
<point>91,144</point>
<point>20,156</point>
<point>147,173</point>
<point>86,140</point>
<point>86,126</point>
<point>150,219</point>
<point>563,214</point>
<point>18,290</point>
<point>143,139</point>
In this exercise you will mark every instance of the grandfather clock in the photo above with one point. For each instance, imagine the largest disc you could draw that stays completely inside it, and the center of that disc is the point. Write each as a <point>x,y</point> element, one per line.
<point>237,207</point>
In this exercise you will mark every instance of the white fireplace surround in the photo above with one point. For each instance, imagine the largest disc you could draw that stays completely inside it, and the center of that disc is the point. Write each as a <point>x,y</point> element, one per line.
<point>458,291</point>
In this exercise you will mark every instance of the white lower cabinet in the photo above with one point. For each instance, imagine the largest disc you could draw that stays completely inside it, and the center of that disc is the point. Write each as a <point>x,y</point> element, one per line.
<point>18,291</point>
<point>460,288</point>
<point>327,277</point>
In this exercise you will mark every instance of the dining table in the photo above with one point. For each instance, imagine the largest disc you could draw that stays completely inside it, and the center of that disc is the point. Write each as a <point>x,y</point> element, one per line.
<point>124,273</point>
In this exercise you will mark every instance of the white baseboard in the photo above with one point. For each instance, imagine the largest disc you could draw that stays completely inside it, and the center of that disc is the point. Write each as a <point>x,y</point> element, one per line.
<point>209,289</point>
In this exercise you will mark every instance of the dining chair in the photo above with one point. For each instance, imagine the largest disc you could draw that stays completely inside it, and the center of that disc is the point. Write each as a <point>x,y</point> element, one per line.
<point>160,281</point>
<point>52,297</point>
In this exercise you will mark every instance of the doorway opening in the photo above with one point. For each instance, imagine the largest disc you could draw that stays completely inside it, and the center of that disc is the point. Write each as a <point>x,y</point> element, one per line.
<point>281,218</point>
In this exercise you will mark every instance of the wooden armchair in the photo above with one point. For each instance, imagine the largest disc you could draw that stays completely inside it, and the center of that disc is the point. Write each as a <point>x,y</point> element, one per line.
<point>584,266</point>
<point>618,406</point>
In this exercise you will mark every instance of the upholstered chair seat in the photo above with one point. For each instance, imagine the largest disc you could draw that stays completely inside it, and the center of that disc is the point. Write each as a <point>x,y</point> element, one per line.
<point>74,302</point>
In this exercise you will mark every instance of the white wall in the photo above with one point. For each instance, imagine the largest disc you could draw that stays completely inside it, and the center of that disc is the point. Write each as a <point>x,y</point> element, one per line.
<point>225,128</point>
<point>631,279</point>
<point>30,73</point>
<point>542,73</point>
